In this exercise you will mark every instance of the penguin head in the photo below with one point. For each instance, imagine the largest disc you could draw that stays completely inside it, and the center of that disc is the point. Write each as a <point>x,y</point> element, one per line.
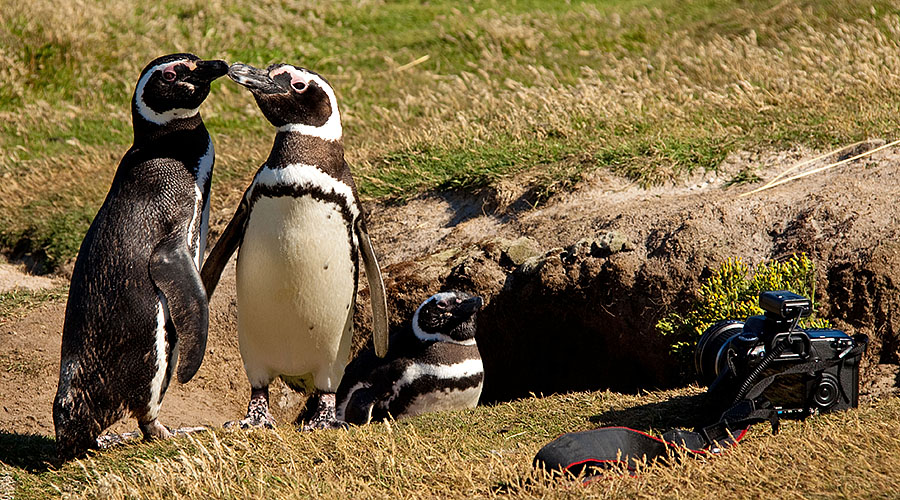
<point>172,87</point>
<point>293,99</point>
<point>447,317</point>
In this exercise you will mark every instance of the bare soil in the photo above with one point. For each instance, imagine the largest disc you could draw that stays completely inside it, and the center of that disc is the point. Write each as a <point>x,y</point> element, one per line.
<point>573,286</point>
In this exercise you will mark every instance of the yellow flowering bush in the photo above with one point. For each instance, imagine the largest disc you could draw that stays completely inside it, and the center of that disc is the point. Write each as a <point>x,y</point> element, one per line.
<point>733,293</point>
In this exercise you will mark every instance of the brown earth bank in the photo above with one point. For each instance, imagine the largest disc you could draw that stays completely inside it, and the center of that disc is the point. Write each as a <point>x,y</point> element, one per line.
<point>573,287</point>
<point>574,306</point>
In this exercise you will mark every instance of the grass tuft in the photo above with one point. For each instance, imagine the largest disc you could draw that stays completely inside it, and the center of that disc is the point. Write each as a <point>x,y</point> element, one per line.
<point>732,292</point>
<point>17,303</point>
<point>483,452</point>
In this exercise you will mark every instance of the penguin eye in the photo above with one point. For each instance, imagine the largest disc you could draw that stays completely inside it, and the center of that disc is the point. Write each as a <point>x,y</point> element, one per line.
<point>442,304</point>
<point>299,87</point>
<point>169,75</point>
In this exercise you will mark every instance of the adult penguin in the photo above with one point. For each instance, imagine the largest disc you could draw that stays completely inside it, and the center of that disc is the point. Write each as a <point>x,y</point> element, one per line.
<point>136,303</point>
<point>300,230</point>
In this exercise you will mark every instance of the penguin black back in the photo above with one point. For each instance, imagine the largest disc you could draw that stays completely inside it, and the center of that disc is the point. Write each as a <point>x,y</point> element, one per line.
<point>135,298</point>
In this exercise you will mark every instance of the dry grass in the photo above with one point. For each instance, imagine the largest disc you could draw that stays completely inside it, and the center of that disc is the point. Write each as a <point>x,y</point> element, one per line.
<point>506,90</point>
<point>487,452</point>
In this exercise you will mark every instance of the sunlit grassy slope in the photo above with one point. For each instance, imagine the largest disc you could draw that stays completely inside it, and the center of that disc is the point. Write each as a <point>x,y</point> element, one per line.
<point>443,94</point>
<point>481,453</point>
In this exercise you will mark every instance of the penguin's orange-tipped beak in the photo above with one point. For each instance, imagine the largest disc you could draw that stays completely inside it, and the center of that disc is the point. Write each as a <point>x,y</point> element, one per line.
<point>207,71</point>
<point>255,79</point>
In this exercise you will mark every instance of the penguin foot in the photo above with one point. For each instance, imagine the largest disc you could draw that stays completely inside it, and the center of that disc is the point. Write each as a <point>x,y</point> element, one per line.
<point>154,430</point>
<point>324,425</point>
<point>266,421</point>
<point>324,416</point>
<point>257,412</point>
<point>107,441</point>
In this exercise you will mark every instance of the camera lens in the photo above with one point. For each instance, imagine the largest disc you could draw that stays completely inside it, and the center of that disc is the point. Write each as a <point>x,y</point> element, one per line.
<point>709,358</point>
<point>827,391</point>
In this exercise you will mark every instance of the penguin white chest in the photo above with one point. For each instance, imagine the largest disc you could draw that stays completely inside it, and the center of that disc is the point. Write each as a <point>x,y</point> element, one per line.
<point>295,289</point>
<point>440,387</point>
<point>444,400</point>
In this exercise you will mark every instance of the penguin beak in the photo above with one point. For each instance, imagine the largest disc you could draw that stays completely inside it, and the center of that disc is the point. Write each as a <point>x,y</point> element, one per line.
<point>469,307</point>
<point>255,79</point>
<point>207,71</point>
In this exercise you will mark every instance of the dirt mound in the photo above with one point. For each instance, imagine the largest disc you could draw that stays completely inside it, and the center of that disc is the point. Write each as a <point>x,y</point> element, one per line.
<point>573,288</point>
<point>583,315</point>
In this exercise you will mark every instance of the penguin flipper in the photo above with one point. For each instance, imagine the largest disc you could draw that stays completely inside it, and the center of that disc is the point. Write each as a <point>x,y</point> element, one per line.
<point>225,246</point>
<point>360,406</point>
<point>376,290</point>
<point>173,271</point>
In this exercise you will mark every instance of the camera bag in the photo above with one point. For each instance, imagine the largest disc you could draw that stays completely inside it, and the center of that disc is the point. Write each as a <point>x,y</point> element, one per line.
<point>624,449</point>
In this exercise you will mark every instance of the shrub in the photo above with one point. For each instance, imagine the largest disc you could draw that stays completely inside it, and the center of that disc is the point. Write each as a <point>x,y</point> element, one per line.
<point>732,293</point>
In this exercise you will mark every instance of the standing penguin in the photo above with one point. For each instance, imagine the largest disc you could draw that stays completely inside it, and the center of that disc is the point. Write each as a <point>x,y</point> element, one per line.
<point>136,300</point>
<point>300,231</point>
<point>432,366</point>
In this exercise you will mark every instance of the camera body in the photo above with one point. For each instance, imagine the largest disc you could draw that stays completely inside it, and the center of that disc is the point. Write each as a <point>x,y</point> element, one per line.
<point>767,358</point>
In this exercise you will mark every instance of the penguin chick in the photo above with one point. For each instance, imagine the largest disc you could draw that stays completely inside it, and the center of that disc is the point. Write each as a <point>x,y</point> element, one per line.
<point>301,230</point>
<point>136,304</point>
<point>432,365</point>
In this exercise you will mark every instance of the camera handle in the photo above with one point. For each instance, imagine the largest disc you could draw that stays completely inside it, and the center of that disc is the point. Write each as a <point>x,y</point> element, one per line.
<point>761,367</point>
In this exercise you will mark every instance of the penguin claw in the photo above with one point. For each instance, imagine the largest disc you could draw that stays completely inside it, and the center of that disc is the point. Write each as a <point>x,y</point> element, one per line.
<point>252,422</point>
<point>323,425</point>
<point>324,417</point>
<point>107,441</point>
<point>154,430</point>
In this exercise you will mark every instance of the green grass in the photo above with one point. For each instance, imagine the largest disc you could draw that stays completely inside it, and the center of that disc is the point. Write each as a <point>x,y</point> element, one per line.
<point>17,303</point>
<point>480,453</point>
<point>648,89</point>
<point>463,168</point>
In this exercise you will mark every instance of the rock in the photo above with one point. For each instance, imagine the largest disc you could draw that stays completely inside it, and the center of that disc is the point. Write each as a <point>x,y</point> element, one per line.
<point>521,250</point>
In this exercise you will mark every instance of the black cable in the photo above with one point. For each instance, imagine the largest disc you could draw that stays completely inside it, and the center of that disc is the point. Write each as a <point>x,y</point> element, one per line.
<point>776,351</point>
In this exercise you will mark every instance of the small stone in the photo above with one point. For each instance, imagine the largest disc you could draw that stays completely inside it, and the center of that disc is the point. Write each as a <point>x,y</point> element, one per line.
<point>521,250</point>
<point>534,264</point>
<point>609,243</point>
<point>446,255</point>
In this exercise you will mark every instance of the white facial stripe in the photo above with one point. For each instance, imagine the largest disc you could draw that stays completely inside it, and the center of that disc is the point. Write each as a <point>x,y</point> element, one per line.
<point>341,409</point>
<point>331,130</point>
<point>296,75</point>
<point>152,116</point>
<point>306,176</point>
<point>439,337</point>
<point>441,296</point>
